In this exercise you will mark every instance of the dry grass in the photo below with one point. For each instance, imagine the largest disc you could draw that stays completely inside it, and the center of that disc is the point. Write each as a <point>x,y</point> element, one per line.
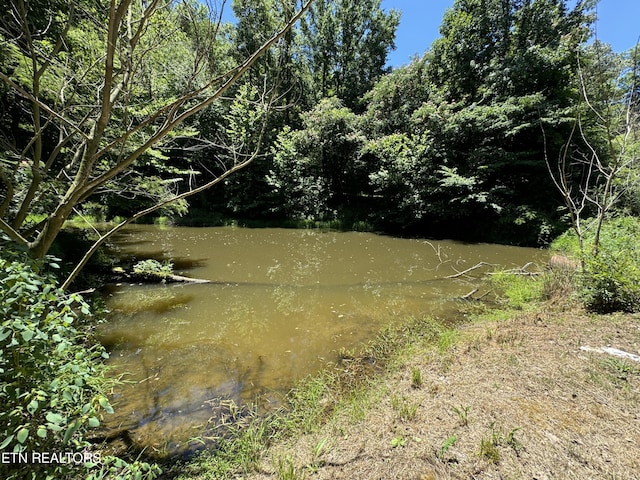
<point>515,399</point>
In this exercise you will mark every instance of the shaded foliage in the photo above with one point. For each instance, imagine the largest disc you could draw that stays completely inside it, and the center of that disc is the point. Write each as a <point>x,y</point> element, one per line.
<point>52,385</point>
<point>317,168</point>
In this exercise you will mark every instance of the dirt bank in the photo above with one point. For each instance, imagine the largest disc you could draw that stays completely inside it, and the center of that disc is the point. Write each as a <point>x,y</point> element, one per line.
<point>507,399</point>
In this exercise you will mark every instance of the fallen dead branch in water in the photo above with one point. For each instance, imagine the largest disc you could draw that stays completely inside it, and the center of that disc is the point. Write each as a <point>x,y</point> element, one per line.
<point>513,271</point>
<point>520,270</point>
<point>162,277</point>
<point>181,279</point>
<point>470,296</point>
<point>475,267</point>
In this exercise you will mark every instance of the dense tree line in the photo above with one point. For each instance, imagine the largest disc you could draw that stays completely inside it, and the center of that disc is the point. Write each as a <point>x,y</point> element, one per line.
<point>456,143</point>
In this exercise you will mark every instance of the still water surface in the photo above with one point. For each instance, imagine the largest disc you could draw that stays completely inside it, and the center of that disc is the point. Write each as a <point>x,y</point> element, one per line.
<point>281,304</point>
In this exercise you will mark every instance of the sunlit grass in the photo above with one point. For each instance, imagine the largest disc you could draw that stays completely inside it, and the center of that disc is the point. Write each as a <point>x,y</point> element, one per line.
<point>518,291</point>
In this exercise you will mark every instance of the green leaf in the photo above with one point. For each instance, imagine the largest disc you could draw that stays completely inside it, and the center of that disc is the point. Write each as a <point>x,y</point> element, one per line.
<point>6,442</point>
<point>53,427</point>
<point>94,422</point>
<point>33,406</point>
<point>54,418</point>
<point>42,432</point>
<point>23,434</point>
<point>4,334</point>
<point>27,334</point>
<point>71,429</point>
<point>104,403</point>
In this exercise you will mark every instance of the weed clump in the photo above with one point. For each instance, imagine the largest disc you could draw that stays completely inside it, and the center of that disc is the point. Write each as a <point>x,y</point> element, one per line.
<point>152,269</point>
<point>518,291</point>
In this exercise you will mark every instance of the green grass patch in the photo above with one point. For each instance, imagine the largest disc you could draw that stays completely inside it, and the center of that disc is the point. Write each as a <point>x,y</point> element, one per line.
<point>518,291</point>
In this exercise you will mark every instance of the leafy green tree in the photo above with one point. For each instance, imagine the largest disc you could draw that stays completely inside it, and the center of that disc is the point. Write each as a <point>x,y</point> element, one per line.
<point>280,76</point>
<point>104,116</point>
<point>494,49</point>
<point>346,45</point>
<point>402,177</point>
<point>256,22</point>
<point>393,100</point>
<point>455,137</point>
<point>629,83</point>
<point>317,168</point>
<point>506,67</point>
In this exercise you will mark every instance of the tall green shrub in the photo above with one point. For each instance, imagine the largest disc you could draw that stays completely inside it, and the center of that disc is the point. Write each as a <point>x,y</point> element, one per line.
<point>318,169</point>
<point>52,383</point>
<point>610,280</point>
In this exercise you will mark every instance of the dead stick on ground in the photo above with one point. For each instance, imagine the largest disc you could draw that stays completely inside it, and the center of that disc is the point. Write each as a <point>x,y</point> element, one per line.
<point>612,351</point>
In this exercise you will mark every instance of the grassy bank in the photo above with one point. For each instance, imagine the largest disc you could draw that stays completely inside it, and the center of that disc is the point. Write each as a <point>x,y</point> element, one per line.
<point>349,387</point>
<point>507,394</point>
<point>512,398</point>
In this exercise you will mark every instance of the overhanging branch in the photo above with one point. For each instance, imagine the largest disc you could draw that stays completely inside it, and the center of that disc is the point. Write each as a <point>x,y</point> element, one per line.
<point>12,233</point>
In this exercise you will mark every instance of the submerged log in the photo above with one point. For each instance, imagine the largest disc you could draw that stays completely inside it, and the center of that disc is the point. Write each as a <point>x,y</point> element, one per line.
<point>181,279</point>
<point>161,277</point>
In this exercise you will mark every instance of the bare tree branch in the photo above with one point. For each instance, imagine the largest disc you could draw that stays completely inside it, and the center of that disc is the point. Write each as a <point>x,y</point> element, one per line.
<point>589,177</point>
<point>471,269</point>
<point>89,139</point>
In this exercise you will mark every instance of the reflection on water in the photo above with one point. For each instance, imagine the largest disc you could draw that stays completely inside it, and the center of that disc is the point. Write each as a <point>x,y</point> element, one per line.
<point>281,304</point>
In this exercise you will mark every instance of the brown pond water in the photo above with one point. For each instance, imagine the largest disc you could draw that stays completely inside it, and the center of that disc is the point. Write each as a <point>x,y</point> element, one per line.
<point>282,304</point>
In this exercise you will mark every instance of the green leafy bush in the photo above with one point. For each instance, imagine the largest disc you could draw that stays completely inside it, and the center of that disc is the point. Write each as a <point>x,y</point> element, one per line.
<point>52,383</point>
<point>153,269</point>
<point>611,280</point>
<point>611,277</point>
<point>318,168</point>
